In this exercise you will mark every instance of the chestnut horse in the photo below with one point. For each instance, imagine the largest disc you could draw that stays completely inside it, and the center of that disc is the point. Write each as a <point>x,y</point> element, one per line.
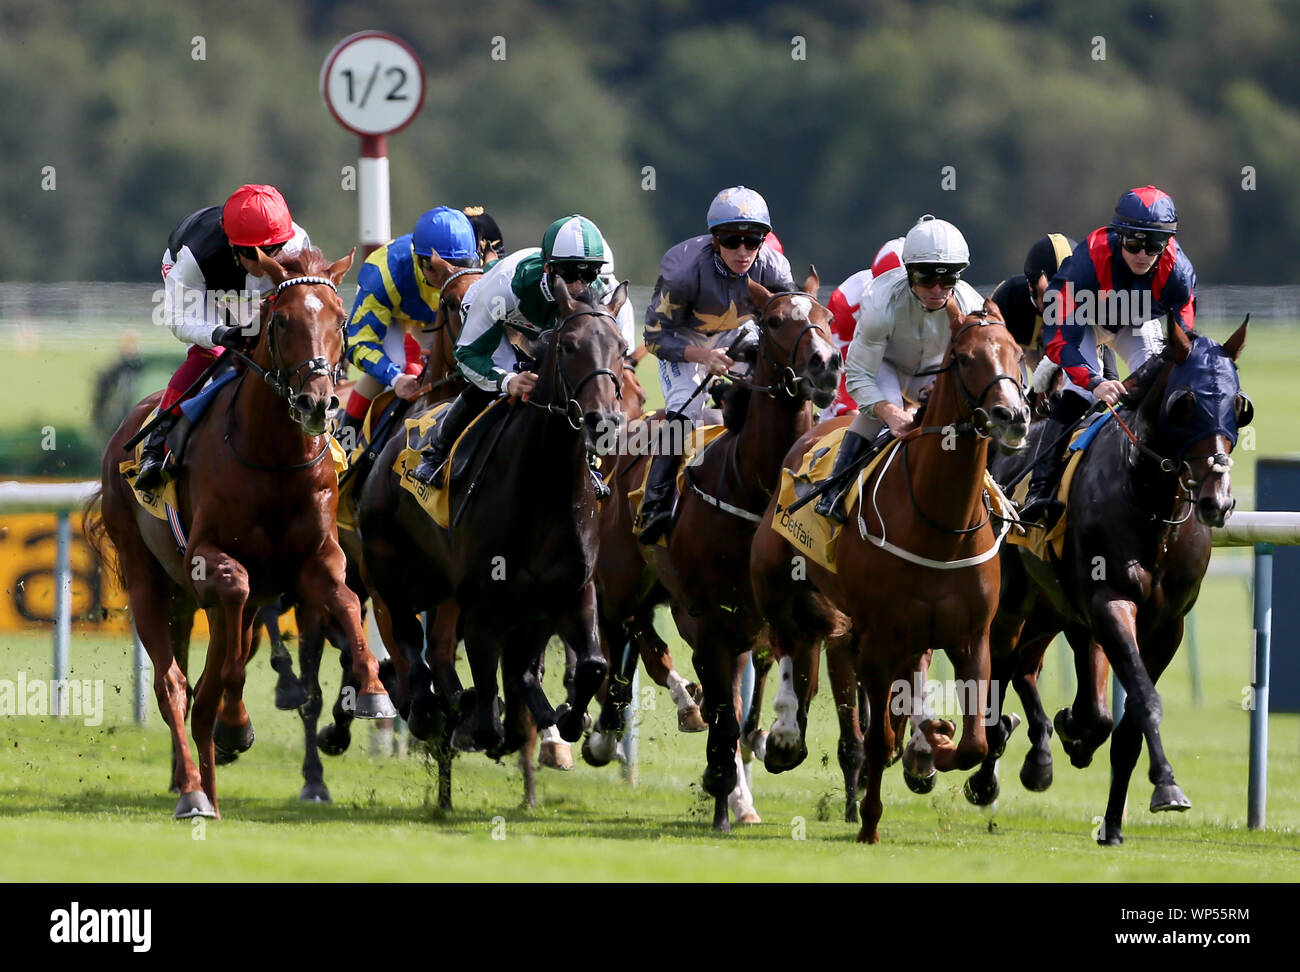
<point>525,540</point>
<point>704,570</point>
<point>1132,502</point>
<point>917,567</point>
<point>260,497</point>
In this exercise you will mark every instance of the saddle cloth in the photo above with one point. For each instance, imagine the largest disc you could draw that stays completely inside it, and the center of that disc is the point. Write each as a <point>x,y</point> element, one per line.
<point>692,455</point>
<point>420,433</point>
<point>1037,541</point>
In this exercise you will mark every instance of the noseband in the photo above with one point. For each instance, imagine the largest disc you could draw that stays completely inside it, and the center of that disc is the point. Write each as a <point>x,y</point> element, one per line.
<point>974,403</point>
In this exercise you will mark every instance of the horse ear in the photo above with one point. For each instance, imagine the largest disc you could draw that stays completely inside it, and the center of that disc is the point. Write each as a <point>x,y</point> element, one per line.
<point>1237,343</point>
<point>954,313</point>
<point>563,299</point>
<point>812,282</point>
<point>991,309</point>
<point>758,295</point>
<point>1177,339</point>
<point>270,266</point>
<point>615,300</point>
<point>337,270</point>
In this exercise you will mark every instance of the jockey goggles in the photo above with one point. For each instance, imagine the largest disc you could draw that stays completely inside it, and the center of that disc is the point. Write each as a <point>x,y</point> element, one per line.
<point>586,272</point>
<point>929,274</point>
<point>734,241</point>
<point>250,252</point>
<point>1153,243</point>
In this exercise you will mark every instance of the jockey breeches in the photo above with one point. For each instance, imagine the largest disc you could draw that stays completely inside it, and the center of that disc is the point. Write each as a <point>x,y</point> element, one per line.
<point>196,362</point>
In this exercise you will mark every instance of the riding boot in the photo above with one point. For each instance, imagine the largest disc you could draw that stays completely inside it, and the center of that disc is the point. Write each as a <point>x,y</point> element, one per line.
<point>430,471</point>
<point>153,456</point>
<point>1041,498</point>
<point>657,506</point>
<point>831,503</point>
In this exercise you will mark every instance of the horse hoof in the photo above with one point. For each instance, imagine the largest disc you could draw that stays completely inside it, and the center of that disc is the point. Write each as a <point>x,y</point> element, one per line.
<point>334,740</point>
<point>315,793</point>
<point>374,706</point>
<point>599,748</point>
<point>1060,723</point>
<point>1109,837</point>
<point>722,826</point>
<point>756,743</point>
<point>571,723</point>
<point>778,759</point>
<point>920,784</point>
<point>555,755</point>
<point>1080,756</point>
<point>1036,777</point>
<point>1169,796</point>
<point>194,804</point>
<point>851,813</point>
<point>981,794</point>
<point>462,740</point>
<point>290,694</point>
<point>690,720</point>
<point>749,816</point>
<point>422,723</point>
<point>1008,724</point>
<point>694,690</point>
<point>231,741</point>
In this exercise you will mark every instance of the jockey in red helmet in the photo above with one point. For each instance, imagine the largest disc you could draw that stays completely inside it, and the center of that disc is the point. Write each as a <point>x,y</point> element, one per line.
<point>211,288</point>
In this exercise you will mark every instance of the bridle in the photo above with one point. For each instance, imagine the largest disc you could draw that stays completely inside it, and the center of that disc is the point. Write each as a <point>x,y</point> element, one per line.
<point>978,420</point>
<point>788,381</point>
<point>444,323</point>
<point>282,378</point>
<point>572,409</point>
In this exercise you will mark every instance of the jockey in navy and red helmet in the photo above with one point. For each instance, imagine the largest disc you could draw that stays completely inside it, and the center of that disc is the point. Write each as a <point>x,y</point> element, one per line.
<point>699,304</point>
<point>397,298</point>
<point>1116,288</point>
<point>211,287</point>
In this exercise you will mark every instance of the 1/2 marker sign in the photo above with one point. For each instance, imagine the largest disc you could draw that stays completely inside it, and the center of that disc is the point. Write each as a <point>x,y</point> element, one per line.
<point>373,83</point>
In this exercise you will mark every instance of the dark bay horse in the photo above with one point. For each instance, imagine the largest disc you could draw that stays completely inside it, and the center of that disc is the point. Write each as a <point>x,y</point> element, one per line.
<point>259,496</point>
<point>519,559</point>
<point>704,570</point>
<point>936,583</point>
<point>1137,544</point>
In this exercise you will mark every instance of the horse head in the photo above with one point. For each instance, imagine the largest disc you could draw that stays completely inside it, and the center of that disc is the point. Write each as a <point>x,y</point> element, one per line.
<point>985,363</point>
<point>796,351</point>
<point>581,369</point>
<point>302,338</point>
<point>1199,414</point>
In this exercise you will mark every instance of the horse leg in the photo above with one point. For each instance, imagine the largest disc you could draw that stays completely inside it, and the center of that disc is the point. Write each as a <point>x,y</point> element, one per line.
<point>579,631</point>
<point>879,743</point>
<point>180,625</point>
<point>601,744</point>
<point>753,737</point>
<point>526,760</point>
<point>659,666</point>
<point>713,663</point>
<point>971,667</point>
<point>1084,726</point>
<point>1036,771</point>
<point>844,687</point>
<point>322,582</point>
<point>290,692</point>
<point>311,645</point>
<point>982,786</point>
<point>483,646</point>
<point>740,801</point>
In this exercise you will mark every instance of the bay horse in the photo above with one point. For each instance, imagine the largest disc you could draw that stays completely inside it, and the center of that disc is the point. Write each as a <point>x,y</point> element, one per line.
<point>518,562</point>
<point>1137,542</point>
<point>704,569</point>
<point>927,579</point>
<point>261,505</point>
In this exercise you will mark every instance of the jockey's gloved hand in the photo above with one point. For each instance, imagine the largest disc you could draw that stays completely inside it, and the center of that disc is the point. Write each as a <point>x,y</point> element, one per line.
<point>228,337</point>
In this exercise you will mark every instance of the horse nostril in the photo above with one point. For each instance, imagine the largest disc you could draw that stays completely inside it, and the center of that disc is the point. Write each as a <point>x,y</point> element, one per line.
<point>836,361</point>
<point>334,404</point>
<point>1003,414</point>
<point>302,402</point>
<point>816,362</point>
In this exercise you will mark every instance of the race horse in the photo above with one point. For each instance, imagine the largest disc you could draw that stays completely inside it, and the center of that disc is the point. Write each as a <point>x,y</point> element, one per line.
<point>518,558</point>
<point>259,495</point>
<point>1146,492</point>
<point>704,570</point>
<point>916,566</point>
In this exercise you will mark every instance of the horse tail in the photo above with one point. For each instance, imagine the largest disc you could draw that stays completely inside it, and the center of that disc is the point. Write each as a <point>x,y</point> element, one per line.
<point>97,539</point>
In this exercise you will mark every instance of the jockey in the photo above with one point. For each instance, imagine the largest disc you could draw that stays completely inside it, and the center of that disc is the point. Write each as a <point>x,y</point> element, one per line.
<point>1020,298</point>
<point>844,305</point>
<point>212,254</point>
<point>491,245</point>
<point>394,297</point>
<point>902,329</point>
<point>1116,287</point>
<point>699,303</point>
<point>515,292</point>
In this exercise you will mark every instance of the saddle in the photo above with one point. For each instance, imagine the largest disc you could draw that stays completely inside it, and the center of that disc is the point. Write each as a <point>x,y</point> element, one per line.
<point>693,454</point>
<point>420,433</point>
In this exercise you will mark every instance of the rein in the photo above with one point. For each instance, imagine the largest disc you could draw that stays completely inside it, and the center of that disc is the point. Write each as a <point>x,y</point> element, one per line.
<point>453,373</point>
